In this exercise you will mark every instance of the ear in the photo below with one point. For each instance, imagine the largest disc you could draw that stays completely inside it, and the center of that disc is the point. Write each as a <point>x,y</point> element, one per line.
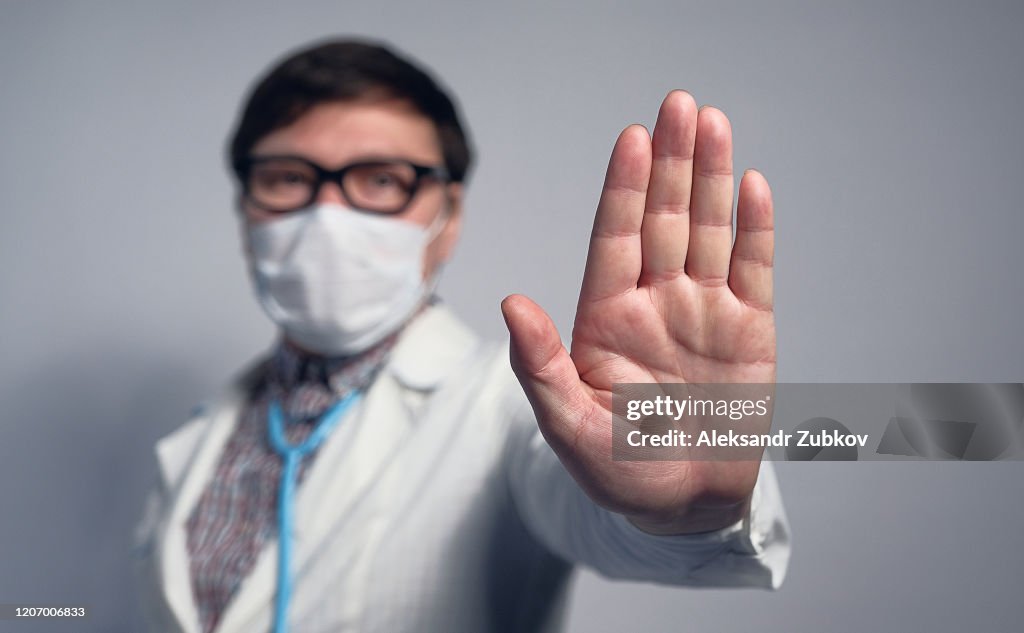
<point>243,227</point>
<point>449,235</point>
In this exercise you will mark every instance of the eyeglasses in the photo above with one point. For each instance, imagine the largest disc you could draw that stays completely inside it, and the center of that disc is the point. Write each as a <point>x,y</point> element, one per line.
<point>281,184</point>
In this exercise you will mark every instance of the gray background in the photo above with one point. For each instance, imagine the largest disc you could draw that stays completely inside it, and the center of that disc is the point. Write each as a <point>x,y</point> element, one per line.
<point>890,135</point>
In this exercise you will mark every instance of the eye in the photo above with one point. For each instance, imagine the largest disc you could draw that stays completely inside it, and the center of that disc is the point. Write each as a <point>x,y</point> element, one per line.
<point>292,178</point>
<point>282,178</point>
<point>281,184</point>
<point>384,187</point>
<point>382,179</point>
<point>281,175</point>
<point>387,179</point>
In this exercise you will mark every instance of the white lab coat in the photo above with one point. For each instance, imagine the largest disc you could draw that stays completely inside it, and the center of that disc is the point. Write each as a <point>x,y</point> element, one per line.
<point>435,505</point>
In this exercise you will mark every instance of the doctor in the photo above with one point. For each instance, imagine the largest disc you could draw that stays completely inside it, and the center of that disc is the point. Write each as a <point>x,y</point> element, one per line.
<point>382,469</point>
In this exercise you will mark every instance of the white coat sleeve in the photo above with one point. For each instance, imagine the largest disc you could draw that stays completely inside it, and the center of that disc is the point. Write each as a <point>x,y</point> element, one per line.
<point>752,553</point>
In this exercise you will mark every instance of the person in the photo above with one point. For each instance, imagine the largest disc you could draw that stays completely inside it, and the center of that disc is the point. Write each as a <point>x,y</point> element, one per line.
<point>383,469</point>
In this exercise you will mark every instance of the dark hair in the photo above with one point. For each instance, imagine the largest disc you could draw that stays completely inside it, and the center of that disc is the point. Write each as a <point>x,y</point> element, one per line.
<point>348,70</point>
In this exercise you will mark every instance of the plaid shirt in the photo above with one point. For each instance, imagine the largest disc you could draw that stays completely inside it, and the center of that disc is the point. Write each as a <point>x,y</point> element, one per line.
<point>237,512</point>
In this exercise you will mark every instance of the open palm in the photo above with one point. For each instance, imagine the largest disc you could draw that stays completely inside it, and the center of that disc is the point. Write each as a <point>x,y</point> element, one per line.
<point>667,297</point>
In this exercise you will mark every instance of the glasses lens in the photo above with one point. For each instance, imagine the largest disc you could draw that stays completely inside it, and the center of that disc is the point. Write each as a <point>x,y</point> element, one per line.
<point>381,187</point>
<point>281,184</point>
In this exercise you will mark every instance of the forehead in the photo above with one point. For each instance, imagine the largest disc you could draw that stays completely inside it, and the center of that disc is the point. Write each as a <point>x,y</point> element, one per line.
<point>336,133</point>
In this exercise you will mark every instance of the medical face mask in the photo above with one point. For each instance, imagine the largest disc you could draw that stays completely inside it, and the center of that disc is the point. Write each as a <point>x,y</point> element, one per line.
<point>338,281</point>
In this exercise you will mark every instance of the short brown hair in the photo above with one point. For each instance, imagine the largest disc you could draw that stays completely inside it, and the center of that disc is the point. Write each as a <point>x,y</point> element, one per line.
<point>346,70</point>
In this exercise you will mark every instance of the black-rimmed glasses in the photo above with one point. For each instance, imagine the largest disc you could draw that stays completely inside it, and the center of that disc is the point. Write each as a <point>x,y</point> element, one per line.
<point>281,184</point>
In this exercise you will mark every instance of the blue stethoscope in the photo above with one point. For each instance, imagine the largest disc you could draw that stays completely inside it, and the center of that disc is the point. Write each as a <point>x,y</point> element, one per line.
<point>291,456</point>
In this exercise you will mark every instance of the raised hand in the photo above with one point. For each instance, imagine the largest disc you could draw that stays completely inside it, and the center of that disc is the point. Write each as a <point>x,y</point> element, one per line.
<point>667,297</point>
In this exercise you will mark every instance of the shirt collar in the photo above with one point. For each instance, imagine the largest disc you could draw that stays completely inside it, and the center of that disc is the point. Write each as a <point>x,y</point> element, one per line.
<point>290,369</point>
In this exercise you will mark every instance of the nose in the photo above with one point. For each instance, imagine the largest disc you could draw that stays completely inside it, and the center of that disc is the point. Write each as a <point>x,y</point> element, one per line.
<point>330,193</point>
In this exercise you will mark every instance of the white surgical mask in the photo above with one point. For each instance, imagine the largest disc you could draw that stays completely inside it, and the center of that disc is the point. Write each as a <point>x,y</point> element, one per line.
<point>338,281</point>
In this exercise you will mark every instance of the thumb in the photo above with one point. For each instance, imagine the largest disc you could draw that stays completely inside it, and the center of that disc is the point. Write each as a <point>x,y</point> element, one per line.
<point>545,370</point>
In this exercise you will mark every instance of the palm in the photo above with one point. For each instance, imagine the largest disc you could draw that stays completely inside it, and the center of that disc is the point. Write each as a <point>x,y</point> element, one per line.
<point>667,297</point>
<point>683,333</point>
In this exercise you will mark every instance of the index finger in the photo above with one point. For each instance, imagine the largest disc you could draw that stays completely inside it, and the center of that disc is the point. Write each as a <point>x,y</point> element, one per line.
<point>614,259</point>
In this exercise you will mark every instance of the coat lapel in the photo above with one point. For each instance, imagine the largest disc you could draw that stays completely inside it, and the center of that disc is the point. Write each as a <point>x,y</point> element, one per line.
<point>187,458</point>
<point>333,497</point>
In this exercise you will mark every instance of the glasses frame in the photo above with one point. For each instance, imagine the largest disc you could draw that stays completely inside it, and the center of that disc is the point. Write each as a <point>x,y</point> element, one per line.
<point>243,169</point>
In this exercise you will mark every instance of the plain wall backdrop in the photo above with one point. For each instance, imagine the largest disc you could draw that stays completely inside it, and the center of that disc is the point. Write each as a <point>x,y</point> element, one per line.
<point>891,136</point>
